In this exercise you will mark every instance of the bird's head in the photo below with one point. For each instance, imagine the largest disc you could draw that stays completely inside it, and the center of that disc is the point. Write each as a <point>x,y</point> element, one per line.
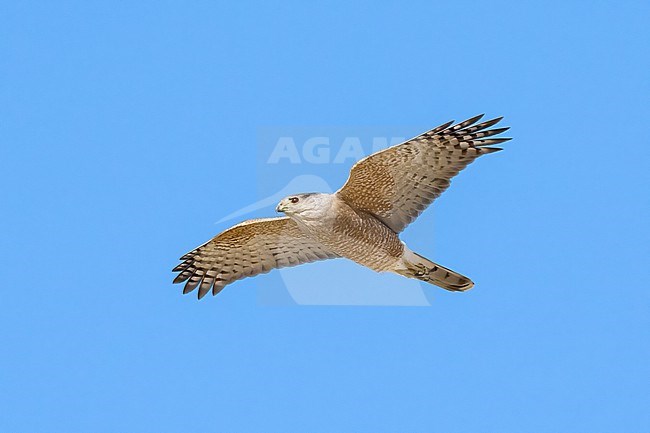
<point>302,205</point>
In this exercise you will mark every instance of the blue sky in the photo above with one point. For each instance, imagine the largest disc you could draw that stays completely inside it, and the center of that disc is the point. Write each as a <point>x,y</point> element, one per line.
<point>128,129</point>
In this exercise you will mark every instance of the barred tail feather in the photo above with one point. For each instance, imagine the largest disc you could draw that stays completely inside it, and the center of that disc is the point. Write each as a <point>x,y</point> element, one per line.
<point>415,266</point>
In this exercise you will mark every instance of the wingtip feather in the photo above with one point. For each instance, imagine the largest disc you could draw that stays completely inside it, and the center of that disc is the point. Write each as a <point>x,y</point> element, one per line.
<point>181,277</point>
<point>468,122</point>
<point>491,141</point>
<point>202,293</point>
<point>486,150</point>
<point>440,128</point>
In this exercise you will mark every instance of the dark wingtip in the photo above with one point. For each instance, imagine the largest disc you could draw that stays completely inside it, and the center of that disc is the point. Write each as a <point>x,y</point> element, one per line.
<point>469,122</point>
<point>496,131</point>
<point>491,141</point>
<point>216,289</point>
<point>439,128</point>
<point>492,149</point>
<point>486,124</point>
<point>180,267</point>
<point>179,278</point>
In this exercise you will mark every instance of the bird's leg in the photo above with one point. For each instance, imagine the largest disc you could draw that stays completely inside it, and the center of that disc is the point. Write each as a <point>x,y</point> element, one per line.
<point>421,271</point>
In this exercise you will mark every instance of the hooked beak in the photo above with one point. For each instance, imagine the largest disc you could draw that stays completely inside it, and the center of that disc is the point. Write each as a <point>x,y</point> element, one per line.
<point>280,207</point>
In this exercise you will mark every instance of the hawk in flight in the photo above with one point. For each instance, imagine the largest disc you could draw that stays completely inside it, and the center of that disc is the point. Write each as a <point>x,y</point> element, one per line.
<point>385,192</point>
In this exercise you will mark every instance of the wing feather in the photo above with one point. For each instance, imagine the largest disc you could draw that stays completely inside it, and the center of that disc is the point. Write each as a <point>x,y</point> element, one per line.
<point>398,183</point>
<point>245,250</point>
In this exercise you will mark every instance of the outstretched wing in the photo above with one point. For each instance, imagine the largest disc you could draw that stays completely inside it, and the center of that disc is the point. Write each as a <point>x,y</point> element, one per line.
<point>398,183</point>
<point>247,249</point>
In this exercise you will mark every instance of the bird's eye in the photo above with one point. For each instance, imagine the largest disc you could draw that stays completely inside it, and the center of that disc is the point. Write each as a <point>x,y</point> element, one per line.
<point>293,200</point>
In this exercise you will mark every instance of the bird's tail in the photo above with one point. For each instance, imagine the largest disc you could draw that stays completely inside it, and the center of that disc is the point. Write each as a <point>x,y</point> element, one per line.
<point>415,266</point>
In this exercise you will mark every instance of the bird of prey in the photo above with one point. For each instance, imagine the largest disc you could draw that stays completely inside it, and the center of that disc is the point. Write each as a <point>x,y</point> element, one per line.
<point>385,192</point>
